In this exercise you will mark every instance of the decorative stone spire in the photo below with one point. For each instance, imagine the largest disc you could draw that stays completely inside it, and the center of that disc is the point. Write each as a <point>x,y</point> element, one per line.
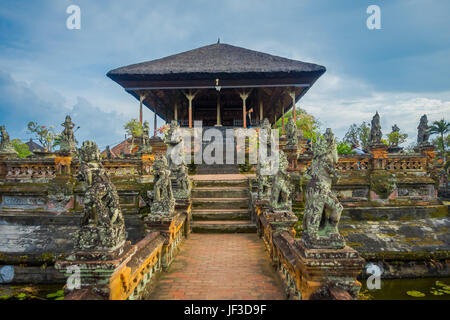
<point>322,209</point>
<point>102,223</point>
<point>375,130</point>
<point>68,144</point>
<point>6,146</point>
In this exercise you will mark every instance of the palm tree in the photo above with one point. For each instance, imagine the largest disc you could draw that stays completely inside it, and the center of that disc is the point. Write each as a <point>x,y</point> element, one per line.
<point>440,127</point>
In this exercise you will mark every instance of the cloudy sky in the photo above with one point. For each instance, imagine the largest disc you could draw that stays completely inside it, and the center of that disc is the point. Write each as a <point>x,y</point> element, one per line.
<point>48,71</point>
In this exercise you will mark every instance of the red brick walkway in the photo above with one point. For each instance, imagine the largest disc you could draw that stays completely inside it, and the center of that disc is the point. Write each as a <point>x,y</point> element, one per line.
<point>220,267</point>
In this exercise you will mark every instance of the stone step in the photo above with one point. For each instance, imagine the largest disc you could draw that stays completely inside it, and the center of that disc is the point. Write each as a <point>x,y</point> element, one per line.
<point>220,203</point>
<point>223,192</point>
<point>221,183</point>
<point>223,227</point>
<point>220,214</point>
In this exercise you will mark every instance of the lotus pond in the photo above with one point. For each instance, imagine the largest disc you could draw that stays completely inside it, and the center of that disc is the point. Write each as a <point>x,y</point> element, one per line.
<point>409,289</point>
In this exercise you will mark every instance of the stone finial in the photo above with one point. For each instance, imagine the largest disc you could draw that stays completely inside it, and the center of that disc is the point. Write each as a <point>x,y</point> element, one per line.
<point>6,146</point>
<point>375,130</point>
<point>102,223</point>
<point>176,162</point>
<point>280,200</point>
<point>145,146</point>
<point>291,133</point>
<point>322,208</point>
<point>163,204</point>
<point>68,144</point>
<point>423,132</point>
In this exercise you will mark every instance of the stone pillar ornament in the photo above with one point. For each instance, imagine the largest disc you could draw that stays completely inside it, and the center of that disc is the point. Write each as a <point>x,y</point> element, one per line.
<point>326,265</point>
<point>145,147</point>
<point>68,144</point>
<point>163,202</point>
<point>181,184</point>
<point>102,224</point>
<point>322,208</point>
<point>6,147</point>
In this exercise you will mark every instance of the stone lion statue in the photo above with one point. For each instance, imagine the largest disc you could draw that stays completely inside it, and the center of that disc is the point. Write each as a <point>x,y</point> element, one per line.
<point>102,222</point>
<point>322,208</point>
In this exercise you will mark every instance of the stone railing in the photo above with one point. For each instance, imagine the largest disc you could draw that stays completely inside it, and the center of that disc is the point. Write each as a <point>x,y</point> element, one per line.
<point>131,275</point>
<point>49,182</point>
<point>307,273</point>
<point>386,178</point>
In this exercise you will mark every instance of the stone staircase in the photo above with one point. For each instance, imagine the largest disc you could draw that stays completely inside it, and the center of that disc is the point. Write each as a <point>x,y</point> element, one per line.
<point>221,205</point>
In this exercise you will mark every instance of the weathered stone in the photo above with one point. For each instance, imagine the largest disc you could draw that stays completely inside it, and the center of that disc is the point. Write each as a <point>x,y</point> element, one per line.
<point>6,146</point>
<point>102,223</point>
<point>291,133</point>
<point>375,131</point>
<point>163,204</point>
<point>145,146</point>
<point>423,132</point>
<point>68,144</point>
<point>280,195</point>
<point>176,162</point>
<point>322,208</point>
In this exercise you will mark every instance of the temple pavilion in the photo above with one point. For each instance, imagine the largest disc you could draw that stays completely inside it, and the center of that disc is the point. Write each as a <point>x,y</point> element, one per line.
<point>218,84</point>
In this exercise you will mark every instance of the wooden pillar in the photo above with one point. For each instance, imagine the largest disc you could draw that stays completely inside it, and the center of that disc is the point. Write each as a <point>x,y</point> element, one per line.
<point>282,115</point>
<point>244,95</point>
<point>141,100</point>
<point>175,112</point>
<point>190,96</point>
<point>219,122</point>
<point>154,122</point>
<point>261,115</point>
<point>294,114</point>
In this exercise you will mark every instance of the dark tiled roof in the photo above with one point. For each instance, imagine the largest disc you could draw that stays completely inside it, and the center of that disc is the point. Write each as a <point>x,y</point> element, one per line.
<point>217,59</point>
<point>33,146</point>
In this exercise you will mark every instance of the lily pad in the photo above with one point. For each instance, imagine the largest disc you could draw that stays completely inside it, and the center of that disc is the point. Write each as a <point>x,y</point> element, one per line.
<point>416,294</point>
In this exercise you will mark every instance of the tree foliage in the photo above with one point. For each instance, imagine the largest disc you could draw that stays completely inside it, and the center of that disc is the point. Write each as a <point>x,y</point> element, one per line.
<point>21,148</point>
<point>396,138</point>
<point>344,148</point>
<point>134,129</point>
<point>358,134</point>
<point>45,135</point>
<point>440,128</point>
<point>306,122</point>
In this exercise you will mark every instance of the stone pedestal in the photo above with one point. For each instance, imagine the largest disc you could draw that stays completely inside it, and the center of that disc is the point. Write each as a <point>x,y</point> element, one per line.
<point>427,150</point>
<point>159,148</point>
<point>379,155</point>
<point>170,227</point>
<point>323,272</point>
<point>94,268</point>
<point>281,221</point>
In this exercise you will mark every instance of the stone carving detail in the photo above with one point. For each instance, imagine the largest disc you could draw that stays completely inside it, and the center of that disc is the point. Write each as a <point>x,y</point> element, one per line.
<point>68,144</point>
<point>176,162</point>
<point>291,133</point>
<point>6,145</point>
<point>145,139</point>
<point>423,132</point>
<point>163,203</point>
<point>264,180</point>
<point>102,223</point>
<point>375,130</point>
<point>108,153</point>
<point>280,200</point>
<point>322,208</point>
<point>266,130</point>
